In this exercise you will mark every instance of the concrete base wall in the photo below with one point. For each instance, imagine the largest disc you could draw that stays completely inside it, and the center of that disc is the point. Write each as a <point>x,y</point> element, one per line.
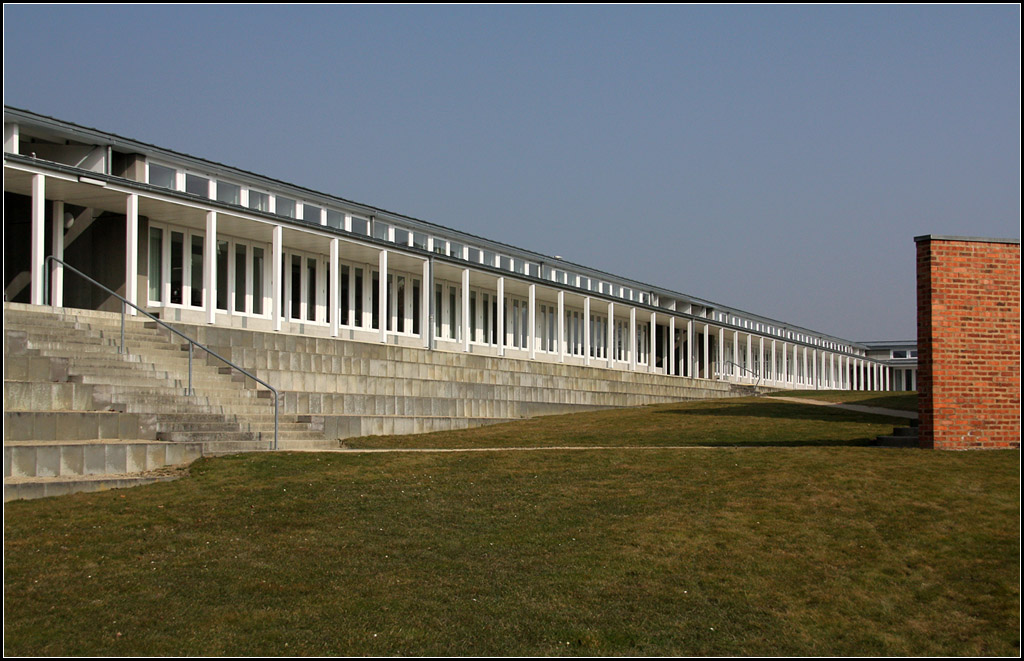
<point>326,376</point>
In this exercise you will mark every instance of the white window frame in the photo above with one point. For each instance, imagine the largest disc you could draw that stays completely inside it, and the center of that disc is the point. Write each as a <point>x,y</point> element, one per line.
<point>186,276</point>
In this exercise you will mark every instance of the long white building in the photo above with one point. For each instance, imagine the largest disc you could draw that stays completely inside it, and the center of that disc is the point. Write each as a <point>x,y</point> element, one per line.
<point>199,242</point>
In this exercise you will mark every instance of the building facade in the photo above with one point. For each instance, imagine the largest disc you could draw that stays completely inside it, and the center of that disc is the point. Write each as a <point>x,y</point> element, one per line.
<point>200,242</point>
<point>900,361</point>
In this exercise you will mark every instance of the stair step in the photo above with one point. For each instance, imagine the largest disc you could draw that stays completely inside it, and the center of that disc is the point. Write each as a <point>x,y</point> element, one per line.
<point>29,459</point>
<point>896,441</point>
<point>30,488</point>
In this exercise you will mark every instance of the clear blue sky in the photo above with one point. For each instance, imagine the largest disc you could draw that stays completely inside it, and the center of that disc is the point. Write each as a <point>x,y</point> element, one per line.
<point>777,159</point>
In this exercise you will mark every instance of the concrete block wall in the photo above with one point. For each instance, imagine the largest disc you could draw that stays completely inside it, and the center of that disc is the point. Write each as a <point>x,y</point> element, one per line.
<point>322,376</point>
<point>968,320</point>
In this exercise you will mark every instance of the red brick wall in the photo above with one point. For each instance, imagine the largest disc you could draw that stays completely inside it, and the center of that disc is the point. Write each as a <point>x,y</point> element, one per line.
<point>968,342</point>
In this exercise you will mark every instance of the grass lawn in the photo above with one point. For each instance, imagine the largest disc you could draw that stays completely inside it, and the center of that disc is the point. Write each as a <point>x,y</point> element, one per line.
<point>722,422</point>
<point>770,550</point>
<point>903,401</point>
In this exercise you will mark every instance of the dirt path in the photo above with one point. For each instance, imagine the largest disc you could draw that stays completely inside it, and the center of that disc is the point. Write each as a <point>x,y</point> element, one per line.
<point>896,413</point>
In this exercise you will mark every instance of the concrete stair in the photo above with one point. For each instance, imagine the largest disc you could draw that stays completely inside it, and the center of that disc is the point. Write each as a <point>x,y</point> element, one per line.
<point>65,381</point>
<point>80,416</point>
<point>901,437</point>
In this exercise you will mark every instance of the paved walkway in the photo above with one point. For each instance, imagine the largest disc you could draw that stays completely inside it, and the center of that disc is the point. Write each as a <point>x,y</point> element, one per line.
<point>896,413</point>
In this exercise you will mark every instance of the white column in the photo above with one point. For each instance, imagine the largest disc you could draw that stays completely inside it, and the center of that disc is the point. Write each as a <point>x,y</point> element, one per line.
<point>832,370</point>
<point>531,337</point>
<point>707,351</point>
<point>57,271</point>
<point>276,274</point>
<point>690,350</point>
<point>750,358</point>
<point>426,298</point>
<point>382,295</point>
<point>670,367</point>
<point>807,378</point>
<point>792,368</point>
<point>586,330</point>
<point>333,286</point>
<point>632,338</point>
<point>721,353</point>
<point>465,310</point>
<point>784,370</point>
<point>611,334</point>
<point>500,321</point>
<point>775,365</point>
<point>561,325</point>
<point>734,369</point>
<point>652,343</point>
<point>886,372</point>
<point>760,358</point>
<point>210,267</point>
<point>131,282</point>
<point>38,238</point>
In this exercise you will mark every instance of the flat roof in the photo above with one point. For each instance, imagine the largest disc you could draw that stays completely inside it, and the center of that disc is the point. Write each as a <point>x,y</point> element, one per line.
<point>972,239</point>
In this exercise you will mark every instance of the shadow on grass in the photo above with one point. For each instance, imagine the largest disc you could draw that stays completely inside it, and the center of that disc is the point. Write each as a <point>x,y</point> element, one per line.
<point>900,404</point>
<point>784,411</point>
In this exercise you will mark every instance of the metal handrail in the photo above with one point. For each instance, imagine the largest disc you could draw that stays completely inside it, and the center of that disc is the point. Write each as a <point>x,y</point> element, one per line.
<point>191,343</point>
<point>752,372</point>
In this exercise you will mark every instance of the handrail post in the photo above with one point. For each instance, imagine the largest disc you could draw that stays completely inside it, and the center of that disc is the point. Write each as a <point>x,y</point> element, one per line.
<point>190,391</point>
<point>121,349</point>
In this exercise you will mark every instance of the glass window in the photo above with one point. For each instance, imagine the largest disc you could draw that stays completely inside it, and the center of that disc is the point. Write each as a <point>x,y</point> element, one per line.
<point>162,176</point>
<point>455,250</point>
<point>196,283</point>
<point>489,258</point>
<point>474,255</point>
<point>380,231</point>
<point>156,264</point>
<point>416,306</point>
<point>285,207</point>
<point>360,225</point>
<point>257,280</point>
<point>343,305</point>
<point>240,278</point>
<point>311,289</point>
<point>222,275</point>
<point>259,201</point>
<point>177,267</point>
<point>197,185</point>
<point>401,236</point>
<point>440,246</point>
<point>419,240</point>
<point>375,300</point>
<point>335,219</point>
<point>311,213</point>
<point>229,193</point>
<point>357,297</point>
<point>438,320</point>
<point>296,288</point>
